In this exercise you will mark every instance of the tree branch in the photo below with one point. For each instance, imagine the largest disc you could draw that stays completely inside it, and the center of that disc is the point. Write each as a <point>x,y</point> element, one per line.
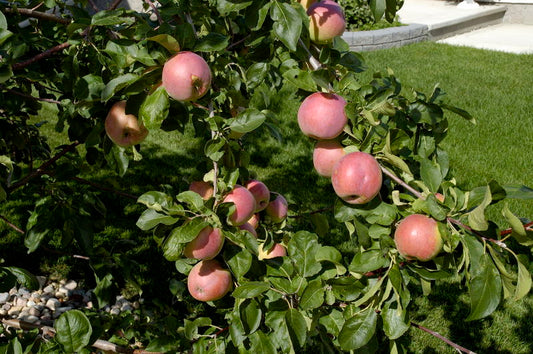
<point>471,230</point>
<point>46,54</point>
<point>124,194</point>
<point>42,169</point>
<point>29,96</point>
<point>509,231</point>
<point>11,225</point>
<point>402,183</point>
<point>442,338</point>
<point>156,11</point>
<point>38,14</point>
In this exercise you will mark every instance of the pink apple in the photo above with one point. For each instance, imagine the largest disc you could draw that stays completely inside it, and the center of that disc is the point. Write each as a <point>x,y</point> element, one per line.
<point>208,281</point>
<point>277,251</point>
<point>326,155</point>
<point>321,115</point>
<point>260,192</point>
<point>357,178</point>
<point>244,205</point>
<point>186,76</point>
<point>254,220</point>
<point>417,237</point>
<point>326,21</point>
<point>206,245</point>
<point>205,189</point>
<point>440,197</point>
<point>248,227</point>
<point>124,129</point>
<point>277,209</point>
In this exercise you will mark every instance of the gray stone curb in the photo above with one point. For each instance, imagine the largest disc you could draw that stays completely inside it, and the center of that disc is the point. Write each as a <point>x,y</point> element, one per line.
<point>386,38</point>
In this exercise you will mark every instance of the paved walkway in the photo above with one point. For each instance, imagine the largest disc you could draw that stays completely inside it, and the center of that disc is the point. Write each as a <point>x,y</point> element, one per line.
<point>507,37</point>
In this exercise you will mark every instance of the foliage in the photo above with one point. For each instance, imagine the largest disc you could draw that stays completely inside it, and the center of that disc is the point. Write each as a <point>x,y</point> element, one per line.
<point>259,53</point>
<point>359,14</point>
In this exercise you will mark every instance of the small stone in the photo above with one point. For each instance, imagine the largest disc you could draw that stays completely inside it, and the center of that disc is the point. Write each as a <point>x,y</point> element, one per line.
<point>14,311</point>
<point>89,305</point>
<point>60,295</point>
<point>4,297</point>
<point>136,304</point>
<point>23,313</point>
<point>35,299</point>
<point>34,312</point>
<point>6,306</point>
<point>49,289</point>
<point>46,318</point>
<point>126,307</point>
<point>30,319</point>
<point>30,303</point>
<point>71,285</point>
<point>23,291</point>
<point>62,282</point>
<point>21,302</point>
<point>41,280</point>
<point>13,291</point>
<point>3,312</point>
<point>53,304</point>
<point>115,311</point>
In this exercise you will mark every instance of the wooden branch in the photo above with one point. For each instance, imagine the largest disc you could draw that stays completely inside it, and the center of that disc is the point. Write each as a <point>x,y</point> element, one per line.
<point>402,183</point>
<point>527,226</point>
<point>471,230</point>
<point>442,338</point>
<point>38,14</point>
<point>50,332</point>
<point>49,100</point>
<point>46,54</point>
<point>42,169</point>
<point>312,212</point>
<point>11,225</point>
<point>114,4</point>
<point>127,195</point>
<point>156,11</point>
<point>315,64</point>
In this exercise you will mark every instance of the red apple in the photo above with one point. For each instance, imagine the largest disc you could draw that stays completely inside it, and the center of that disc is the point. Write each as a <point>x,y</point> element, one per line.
<point>206,245</point>
<point>357,178</point>
<point>248,227</point>
<point>277,251</point>
<point>244,205</point>
<point>326,21</point>
<point>326,155</point>
<point>124,129</point>
<point>260,192</point>
<point>205,189</point>
<point>277,209</point>
<point>321,115</point>
<point>208,281</point>
<point>417,237</point>
<point>254,220</point>
<point>186,76</point>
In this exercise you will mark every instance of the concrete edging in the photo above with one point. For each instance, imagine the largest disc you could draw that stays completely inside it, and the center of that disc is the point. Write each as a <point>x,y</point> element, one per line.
<point>391,37</point>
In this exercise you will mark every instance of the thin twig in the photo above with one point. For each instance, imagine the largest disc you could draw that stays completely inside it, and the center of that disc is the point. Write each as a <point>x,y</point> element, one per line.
<point>509,231</point>
<point>43,168</point>
<point>114,4</point>
<point>93,5</point>
<point>11,225</point>
<point>402,183</point>
<point>471,230</point>
<point>38,14</point>
<point>124,194</point>
<point>442,338</point>
<point>46,54</point>
<point>215,164</point>
<point>156,11</point>
<point>315,64</point>
<point>312,212</point>
<point>238,42</point>
<point>49,100</point>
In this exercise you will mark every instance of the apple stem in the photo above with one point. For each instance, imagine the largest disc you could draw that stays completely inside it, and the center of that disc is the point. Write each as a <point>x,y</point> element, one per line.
<point>442,338</point>
<point>402,183</point>
<point>11,225</point>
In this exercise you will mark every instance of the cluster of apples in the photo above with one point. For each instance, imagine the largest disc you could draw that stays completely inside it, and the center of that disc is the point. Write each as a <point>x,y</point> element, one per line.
<point>208,280</point>
<point>186,77</point>
<point>326,20</point>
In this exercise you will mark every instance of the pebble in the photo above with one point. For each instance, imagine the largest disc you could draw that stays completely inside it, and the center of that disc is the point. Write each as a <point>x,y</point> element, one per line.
<point>31,319</point>
<point>53,304</point>
<point>71,285</point>
<point>4,297</point>
<point>49,289</point>
<point>34,311</point>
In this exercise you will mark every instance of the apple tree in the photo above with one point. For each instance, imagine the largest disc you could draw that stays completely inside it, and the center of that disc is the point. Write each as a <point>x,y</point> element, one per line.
<point>246,272</point>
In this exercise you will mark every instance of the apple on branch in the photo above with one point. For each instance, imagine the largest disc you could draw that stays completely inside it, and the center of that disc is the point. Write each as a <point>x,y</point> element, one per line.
<point>186,76</point>
<point>260,192</point>
<point>244,205</point>
<point>321,115</point>
<point>206,245</point>
<point>123,129</point>
<point>417,237</point>
<point>326,21</point>
<point>325,155</point>
<point>208,281</point>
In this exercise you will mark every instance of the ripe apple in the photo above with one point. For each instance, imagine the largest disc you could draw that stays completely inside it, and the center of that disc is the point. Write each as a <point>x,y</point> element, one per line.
<point>326,21</point>
<point>248,227</point>
<point>277,251</point>
<point>325,156</point>
<point>277,209</point>
<point>440,197</point>
<point>206,245</point>
<point>357,178</point>
<point>205,189</point>
<point>208,281</point>
<point>244,205</point>
<point>260,192</point>
<point>254,220</point>
<point>186,76</point>
<point>417,237</point>
<point>124,129</point>
<point>321,115</point>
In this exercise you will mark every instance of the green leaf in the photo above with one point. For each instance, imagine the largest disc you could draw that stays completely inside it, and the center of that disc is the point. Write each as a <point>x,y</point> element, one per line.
<point>394,324</point>
<point>261,343</point>
<point>378,8</point>
<point>428,274</point>
<point>167,41</point>
<point>247,121</point>
<point>518,191</point>
<point>212,42</point>
<point>240,263</point>
<point>485,289</point>
<point>280,335</point>
<point>303,247</point>
<point>313,295</point>
<point>251,315</point>
<point>213,149</point>
<point>331,254</point>
<point>3,21</point>
<point>227,6</point>
<point>346,288</point>
<point>4,35</point>
<point>24,277</point>
<point>181,235</point>
<point>523,285</point>
<point>358,330</point>
<point>333,322</point>
<point>118,84</point>
<point>367,261</point>
<point>103,290</point>
<point>154,109</point>
<point>111,18</point>
<point>287,25</point>
<point>162,344</point>
<point>297,326</point>
<point>302,79</point>
<point>192,199</point>
<point>34,237</point>
<point>73,331</point>
<point>151,218</point>
<point>476,218</point>
<point>518,231</point>
<point>250,289</point>
<point>155,200</point>
<point>431,174</point>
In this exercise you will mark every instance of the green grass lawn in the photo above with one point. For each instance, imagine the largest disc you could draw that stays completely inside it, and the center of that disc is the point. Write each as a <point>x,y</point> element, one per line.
<point>493,87</point>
